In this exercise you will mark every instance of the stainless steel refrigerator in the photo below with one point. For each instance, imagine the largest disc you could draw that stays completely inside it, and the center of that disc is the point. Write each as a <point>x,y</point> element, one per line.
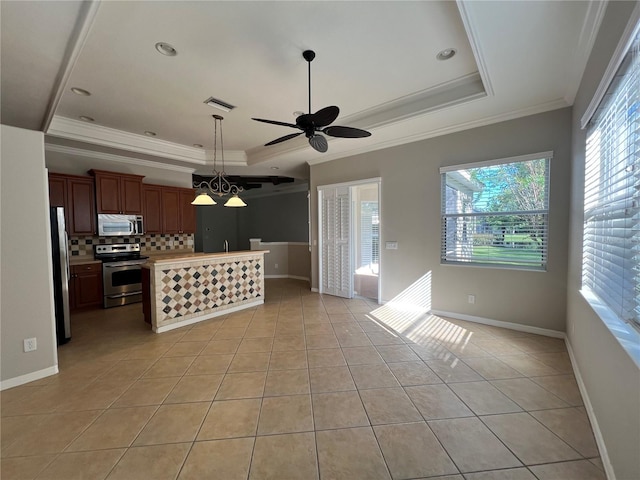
<point>60,257</point>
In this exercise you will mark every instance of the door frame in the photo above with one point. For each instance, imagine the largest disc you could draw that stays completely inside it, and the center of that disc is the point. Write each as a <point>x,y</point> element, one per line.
<point>354,183</point>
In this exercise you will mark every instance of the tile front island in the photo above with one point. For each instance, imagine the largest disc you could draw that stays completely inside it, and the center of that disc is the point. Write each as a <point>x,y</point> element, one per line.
<point>179,290</point>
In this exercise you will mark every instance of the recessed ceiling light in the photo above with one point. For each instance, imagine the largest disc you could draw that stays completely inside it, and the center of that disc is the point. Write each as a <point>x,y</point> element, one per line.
<point>84,118</point>
<point>149,134</point>
<point>275,168</point>
<point>166,49</point>
<point>81,91</point>
<point>446,54</point>
<point>197,145</point>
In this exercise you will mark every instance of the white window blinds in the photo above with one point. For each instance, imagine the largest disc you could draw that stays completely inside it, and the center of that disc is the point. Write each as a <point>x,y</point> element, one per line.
<point>611,254</point>
<point>496,213</point>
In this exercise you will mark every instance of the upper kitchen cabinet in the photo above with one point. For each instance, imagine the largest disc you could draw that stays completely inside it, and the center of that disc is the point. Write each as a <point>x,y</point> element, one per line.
<point>187,211</point>
<point>170,210</point>
<point>76,195</point>
<point>178,215</point>
<point>118,192</point>
<point>57,191</point>
<point>152,211</point>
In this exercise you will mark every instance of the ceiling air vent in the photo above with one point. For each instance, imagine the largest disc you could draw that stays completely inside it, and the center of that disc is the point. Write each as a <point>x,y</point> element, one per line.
<point>215,103</point>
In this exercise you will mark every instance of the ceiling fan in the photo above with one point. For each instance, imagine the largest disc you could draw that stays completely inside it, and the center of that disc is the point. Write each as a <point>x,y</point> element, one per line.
<point>312,124</point>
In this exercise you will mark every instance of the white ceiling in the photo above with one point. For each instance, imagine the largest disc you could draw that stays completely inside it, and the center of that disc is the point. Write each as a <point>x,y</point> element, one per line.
<point>375,60</point>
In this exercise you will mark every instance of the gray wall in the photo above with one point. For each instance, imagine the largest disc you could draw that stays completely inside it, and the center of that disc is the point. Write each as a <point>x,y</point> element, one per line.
<point>410,215</point>
<point>26,293</point>
<point>215,224</point>
<point>273,218</point>
<point>611,378</point>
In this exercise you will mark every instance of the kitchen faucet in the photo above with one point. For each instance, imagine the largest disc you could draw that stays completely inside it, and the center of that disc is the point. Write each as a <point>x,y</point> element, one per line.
<point>226,246</point>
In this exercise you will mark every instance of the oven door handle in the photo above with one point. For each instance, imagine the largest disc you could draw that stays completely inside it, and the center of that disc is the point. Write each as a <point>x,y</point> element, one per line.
<point>120,265</point>
<point>124,295</point>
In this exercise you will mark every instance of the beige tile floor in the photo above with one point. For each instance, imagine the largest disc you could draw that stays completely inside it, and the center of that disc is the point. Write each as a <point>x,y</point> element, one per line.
<point>305,386</point>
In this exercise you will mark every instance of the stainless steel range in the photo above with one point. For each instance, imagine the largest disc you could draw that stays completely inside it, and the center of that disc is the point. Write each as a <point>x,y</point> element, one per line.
<point>121,273</point>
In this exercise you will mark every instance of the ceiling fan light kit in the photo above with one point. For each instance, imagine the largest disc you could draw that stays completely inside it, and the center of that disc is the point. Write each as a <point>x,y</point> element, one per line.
<point>219,185</point>
<point>312,124</point>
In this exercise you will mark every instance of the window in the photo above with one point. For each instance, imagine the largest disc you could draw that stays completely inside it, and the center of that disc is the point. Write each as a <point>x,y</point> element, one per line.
<point>496,213</point>
<point>611,253</point>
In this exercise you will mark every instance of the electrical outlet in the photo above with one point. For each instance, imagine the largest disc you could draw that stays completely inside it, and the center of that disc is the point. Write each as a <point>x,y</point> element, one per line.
<point>276,266</point>
<point>30,344</point>
<point>471,299</point>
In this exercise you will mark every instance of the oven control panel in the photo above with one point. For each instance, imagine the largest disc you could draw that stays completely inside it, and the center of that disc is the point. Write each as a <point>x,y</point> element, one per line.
<point>117,248</point>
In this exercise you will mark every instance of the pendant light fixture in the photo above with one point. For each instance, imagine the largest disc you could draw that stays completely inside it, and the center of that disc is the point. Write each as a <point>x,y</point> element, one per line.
<point>219,185</point>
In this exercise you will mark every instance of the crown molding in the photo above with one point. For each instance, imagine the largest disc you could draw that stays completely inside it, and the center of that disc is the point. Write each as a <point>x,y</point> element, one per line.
<point>476,48</point>
<point>79,36</point>
<point>110,137</point>
<point>503,117</point>
<point>109,157</point>
<point>588,33</point>
<point>624,44</point>
<point>445,95</point>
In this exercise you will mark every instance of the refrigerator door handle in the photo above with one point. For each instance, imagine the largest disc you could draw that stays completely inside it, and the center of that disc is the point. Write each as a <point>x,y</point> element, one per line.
<point>65,285</point>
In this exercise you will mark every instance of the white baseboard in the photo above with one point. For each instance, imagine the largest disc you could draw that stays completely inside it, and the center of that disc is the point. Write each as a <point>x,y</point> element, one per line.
<point>202,318</point>
<point>314,290</point>
<point>604,455</point>
<point>29,377</point>
<point>497,323</point>
<point>294,277</point>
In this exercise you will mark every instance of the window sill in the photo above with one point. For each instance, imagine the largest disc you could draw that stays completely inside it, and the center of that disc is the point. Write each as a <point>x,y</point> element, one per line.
<point>627,335</point>
<point>521,268</point>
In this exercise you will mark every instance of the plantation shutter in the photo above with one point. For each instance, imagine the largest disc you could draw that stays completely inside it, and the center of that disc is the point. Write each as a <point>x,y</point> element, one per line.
<point>336,247</point>
<point>611,254</point>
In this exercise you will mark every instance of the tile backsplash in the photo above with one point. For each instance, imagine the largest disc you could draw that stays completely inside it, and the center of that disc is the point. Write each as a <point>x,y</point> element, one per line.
<point>79,246</point>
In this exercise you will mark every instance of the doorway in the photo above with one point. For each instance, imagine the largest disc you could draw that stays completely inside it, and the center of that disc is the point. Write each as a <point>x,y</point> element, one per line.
<point>349,237</point>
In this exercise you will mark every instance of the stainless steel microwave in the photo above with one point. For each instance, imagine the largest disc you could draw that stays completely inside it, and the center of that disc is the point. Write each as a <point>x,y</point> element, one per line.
<point>111,225</point>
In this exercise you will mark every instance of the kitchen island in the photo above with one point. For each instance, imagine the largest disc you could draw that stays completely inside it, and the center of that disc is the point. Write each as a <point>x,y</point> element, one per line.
<point>187,288</point>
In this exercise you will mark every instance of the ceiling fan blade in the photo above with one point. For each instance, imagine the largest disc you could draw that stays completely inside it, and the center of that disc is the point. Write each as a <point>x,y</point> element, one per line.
<point>325,116</point>
<point>274,122</point>
<point>283,139</point>
<point>319,143</point>
<point>345,132</point>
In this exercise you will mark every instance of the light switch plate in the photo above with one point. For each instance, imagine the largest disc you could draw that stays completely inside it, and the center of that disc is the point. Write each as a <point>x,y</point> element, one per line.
<point>391,245</point>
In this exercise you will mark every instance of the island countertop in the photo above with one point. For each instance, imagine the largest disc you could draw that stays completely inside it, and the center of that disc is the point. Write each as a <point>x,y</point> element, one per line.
<point>168,258</point>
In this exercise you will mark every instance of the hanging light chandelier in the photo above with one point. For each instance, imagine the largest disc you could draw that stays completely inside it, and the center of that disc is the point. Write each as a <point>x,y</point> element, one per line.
<point>219,185</point>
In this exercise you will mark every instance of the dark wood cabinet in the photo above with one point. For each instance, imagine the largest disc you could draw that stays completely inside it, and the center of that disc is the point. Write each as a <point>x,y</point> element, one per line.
<point>118,192</point>
<point>173,211</point>
<point>82,212</point>
<point>57,190</point>
<point>132,195</point>
<point>146,295</point>
<point>76,195</point>
<point>187,211</point>
<point>152,208</point>
<point>85,289</point>
<point>170,210</point>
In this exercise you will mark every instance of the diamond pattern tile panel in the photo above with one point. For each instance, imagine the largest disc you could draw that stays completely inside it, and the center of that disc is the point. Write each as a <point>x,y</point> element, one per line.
<point>198,288</point>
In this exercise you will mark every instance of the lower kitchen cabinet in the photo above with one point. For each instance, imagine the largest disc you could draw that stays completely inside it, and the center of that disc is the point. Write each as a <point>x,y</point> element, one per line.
<point>85,286</point>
